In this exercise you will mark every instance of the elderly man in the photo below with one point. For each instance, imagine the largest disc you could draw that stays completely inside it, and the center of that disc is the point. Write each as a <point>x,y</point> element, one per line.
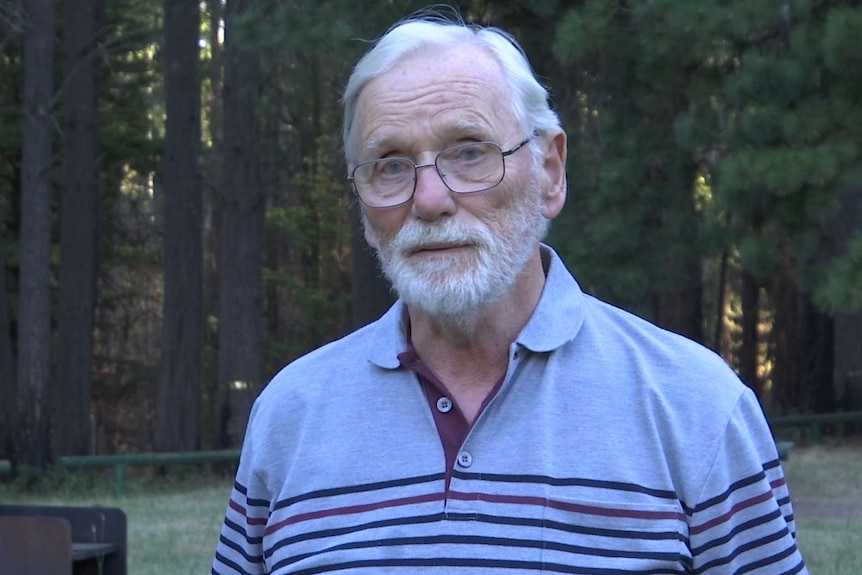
<point>496,418</point>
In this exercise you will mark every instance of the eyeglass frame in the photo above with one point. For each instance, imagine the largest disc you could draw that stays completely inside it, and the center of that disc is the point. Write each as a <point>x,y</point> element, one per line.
<point>416,167</point>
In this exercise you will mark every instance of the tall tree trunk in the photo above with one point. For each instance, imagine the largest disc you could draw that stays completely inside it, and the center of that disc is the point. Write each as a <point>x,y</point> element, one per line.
<point>748,351</point>
<point>79,232</point>
<point>212,182</point>
<point>681,310</point>
<point>241,285</point>
<point>848,361</point>
<point>784,348</point>
<point>34,308</point>
<point>8,393</point>
<point>370,292</point>
<point>816,348</point>
<point>680,300</point>
<point>178,408</point>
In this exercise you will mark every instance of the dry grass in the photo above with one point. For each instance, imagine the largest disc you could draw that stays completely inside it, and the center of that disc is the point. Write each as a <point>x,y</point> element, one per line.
<point>173,525</point>
<point>826,486</point>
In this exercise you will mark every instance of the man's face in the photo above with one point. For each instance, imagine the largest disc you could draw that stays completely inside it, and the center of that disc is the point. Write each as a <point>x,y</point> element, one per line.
<point>445,253</point>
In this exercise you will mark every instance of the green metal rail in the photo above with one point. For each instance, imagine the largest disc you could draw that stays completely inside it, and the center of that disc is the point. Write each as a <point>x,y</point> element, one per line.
<point>122,462</point>
<point>815,423</point>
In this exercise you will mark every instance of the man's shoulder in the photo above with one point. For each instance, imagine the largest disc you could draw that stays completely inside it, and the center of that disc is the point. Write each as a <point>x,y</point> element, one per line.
<point>342,363</point>
<point>671,360</point>
<point>346,352</point>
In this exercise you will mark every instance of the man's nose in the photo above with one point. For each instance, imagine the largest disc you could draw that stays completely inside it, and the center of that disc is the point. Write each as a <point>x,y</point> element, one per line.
<point>432,199</point>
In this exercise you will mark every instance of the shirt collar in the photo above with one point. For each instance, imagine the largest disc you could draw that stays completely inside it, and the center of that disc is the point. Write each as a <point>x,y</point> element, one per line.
<point>556,320</point>
<point>560,312</point>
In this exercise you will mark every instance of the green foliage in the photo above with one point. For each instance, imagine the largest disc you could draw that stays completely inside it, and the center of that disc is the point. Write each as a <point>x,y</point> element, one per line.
<point>841,288</point>
<point>791,143</point>
<point>633,202</point>
<point>762,100</point>
<point>130,106</point>
<point>841,54</point>
<point>584,32</point>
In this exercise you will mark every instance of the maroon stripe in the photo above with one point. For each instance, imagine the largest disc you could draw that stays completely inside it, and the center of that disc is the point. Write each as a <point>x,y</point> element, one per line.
<point>249,520</point>
<point>354,509</point>
<point>695,529</point>
<point>778,482</point>
<point>564,506</point>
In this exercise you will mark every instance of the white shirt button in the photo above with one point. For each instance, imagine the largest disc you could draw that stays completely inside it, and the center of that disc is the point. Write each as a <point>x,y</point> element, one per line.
<point>465,459</point>
<point>444,405</point>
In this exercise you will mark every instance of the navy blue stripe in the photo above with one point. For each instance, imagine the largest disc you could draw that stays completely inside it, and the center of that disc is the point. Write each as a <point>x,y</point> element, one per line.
<point>735,486</point>
<point>243,490</point>
<point>756,522</point>
<point>241,530</point>
<point>400,521</point>
<point>770,561</point>
<point>479,563</point>
<point>573,528</point>
<point>228,563</point>
<point>489,541</point>
<point>350,489</point>
<point>567,482</point>
<point>778,535</point>
<point>482,518</point>
<point>238,548</point>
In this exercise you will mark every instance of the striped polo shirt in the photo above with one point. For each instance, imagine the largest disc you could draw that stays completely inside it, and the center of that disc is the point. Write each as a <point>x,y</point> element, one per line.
<point>610,446</point>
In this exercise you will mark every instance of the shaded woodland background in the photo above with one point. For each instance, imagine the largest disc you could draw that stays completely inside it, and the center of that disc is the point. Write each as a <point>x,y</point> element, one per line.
<point>175,225</point>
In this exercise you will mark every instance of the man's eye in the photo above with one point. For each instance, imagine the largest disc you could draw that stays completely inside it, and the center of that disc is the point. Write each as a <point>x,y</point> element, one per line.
<point>469,154</point>
<point>391,168</point>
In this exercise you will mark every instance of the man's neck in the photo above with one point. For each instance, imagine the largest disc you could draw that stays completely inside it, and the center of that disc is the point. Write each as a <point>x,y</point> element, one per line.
<point>472,355</point>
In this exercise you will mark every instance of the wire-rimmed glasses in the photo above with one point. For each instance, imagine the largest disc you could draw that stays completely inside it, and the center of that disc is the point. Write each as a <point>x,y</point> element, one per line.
<point>465,169</point>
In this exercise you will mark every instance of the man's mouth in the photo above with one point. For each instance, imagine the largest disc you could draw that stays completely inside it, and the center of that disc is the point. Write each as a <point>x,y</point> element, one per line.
<point>438,247</point>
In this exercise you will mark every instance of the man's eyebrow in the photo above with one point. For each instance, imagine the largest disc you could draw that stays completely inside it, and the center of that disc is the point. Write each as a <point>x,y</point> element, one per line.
<point>459,129</point>
<point>374,144</point>
<point>471,126</point>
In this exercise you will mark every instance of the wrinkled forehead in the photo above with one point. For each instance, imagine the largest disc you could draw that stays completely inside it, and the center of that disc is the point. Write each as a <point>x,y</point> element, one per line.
<point>460,91</point>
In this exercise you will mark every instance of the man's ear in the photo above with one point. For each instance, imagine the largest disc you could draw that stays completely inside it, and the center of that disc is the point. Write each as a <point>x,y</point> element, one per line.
<point>370,235</point>
<point>554,171</point>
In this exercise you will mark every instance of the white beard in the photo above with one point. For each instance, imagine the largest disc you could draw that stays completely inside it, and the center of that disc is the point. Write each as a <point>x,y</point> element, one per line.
<point>456,290</point>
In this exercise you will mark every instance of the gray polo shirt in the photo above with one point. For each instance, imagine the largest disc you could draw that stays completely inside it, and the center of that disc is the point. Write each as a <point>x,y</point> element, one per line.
<point>610,446</point>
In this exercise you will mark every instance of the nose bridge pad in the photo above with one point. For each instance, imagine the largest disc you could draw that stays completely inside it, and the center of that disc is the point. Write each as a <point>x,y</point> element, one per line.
<point>440,173</point>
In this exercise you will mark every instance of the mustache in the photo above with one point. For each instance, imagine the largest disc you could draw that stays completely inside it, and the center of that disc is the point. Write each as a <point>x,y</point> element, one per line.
<point>416,234</point>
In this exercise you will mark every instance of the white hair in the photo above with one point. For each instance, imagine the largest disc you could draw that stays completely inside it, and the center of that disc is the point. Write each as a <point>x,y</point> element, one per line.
<point>529,98</point>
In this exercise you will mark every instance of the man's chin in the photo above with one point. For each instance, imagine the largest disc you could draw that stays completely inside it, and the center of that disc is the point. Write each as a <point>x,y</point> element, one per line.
<point>428,264</point>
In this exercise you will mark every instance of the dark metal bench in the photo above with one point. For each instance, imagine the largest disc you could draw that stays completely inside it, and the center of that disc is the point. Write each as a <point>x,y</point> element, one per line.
<point>62,540</point>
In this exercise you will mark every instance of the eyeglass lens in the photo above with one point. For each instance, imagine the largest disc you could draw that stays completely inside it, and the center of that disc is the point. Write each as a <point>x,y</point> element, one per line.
<point>466,168</point>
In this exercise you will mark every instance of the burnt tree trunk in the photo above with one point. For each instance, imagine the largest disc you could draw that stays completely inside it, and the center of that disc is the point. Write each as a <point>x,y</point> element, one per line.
<point>240,372</point>
<point>370,292</point>
<point>178,407</point>
<point>748,350</point>
<point>34,302</point>
<point>79,231</point>
<point>8,388</point>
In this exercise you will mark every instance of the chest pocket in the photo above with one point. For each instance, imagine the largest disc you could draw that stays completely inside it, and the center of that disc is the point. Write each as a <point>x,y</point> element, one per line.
<point>580,536</point>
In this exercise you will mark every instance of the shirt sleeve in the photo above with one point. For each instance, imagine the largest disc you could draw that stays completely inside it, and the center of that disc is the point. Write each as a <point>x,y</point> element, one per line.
<point>240,544</point>
<point>743,520</point>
